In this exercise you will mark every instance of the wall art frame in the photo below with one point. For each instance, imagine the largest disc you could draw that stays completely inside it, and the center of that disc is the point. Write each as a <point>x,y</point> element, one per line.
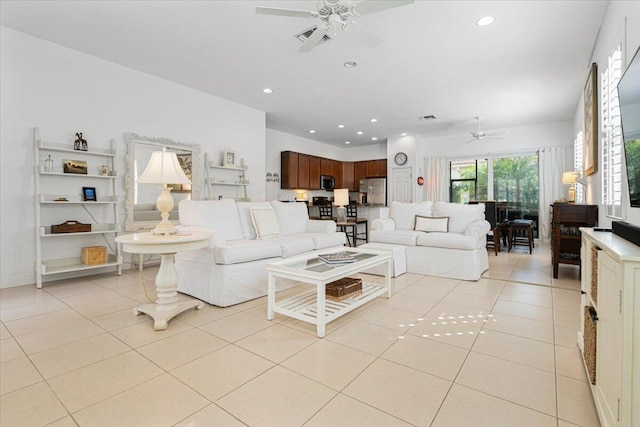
<point>591,122</point>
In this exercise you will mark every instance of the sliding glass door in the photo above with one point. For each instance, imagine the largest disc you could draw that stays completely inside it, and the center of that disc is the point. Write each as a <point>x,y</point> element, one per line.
<point>511,181</point>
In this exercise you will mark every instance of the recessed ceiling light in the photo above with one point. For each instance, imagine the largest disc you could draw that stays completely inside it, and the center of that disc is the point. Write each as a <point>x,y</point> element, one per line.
<point>373,120</point>
<point>267,90</point>
<point>340,126</point>
<point>485,20</point>
<point>347,142</point>
<point>374,139</point>
<point>350,64</point>
<point>403,134</point>
<point>359,132</point>
<point>312,131</point>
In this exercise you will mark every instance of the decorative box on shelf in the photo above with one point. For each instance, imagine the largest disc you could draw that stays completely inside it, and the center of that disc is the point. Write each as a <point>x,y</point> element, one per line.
<point>344,288</point>
<point>94,255</point>
<point>70,227</point>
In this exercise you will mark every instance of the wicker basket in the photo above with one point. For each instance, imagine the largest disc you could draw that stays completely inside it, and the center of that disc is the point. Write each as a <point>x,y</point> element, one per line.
<point>594,273</point>
<point>343,288</point>
<point>590,340</point>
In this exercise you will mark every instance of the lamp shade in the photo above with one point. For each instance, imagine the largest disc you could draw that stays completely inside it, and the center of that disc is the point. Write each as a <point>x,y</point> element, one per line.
<point>163,168</point>
<point>570,177</point>
<point>341,197</point>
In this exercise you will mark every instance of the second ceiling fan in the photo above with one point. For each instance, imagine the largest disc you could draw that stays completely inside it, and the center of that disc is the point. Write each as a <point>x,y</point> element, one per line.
<point>480,134</point>
<point>336,15</point>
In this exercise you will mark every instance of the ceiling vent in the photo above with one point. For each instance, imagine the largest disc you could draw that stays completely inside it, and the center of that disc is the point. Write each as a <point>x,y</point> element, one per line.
<point>429,117</point>
<point>304,35</point>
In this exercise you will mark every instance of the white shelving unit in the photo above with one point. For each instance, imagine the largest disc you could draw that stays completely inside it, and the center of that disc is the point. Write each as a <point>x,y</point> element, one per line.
<point>46,207</point>
<point>225,176</point>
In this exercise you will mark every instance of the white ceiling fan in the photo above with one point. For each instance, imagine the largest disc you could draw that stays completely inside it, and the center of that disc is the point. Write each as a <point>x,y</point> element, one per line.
<point>337,14</point>
<point>480,134</point>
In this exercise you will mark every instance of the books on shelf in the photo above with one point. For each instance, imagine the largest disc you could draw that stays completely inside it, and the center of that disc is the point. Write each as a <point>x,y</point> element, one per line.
<point>337,258</point>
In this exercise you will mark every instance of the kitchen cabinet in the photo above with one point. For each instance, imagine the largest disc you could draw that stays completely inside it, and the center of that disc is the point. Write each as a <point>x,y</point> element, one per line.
<point>348,177</point>
<point>289,170</point>
<point>337,173</point>
<point>303,171</point>
<point>565,223</point>
<point>314,173</point>
<point>376,168</point>
<point>326,166</point>
<point>610,327</point>
<point>359,172</point>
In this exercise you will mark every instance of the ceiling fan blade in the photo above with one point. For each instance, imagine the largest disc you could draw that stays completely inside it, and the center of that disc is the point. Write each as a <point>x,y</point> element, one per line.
<point>286,12</point>
<point>363,34</point>
<point>368,7</point>
<point>314,39</point>
<point>471,140</point>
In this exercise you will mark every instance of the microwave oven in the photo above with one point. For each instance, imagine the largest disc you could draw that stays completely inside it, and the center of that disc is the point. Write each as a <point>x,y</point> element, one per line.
<point>327,182</point>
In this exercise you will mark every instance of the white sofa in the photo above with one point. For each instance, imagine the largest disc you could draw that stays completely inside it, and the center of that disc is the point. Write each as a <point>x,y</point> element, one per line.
<point>233,269</point>
<point>458,253</point>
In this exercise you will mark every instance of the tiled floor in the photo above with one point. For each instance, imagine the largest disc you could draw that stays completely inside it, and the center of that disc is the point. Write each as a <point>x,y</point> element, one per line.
<point>497,352</point>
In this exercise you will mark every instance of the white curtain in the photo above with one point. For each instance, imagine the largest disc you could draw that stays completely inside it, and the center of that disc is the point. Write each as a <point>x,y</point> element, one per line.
<point>435,179</point>
<point>552,165</point>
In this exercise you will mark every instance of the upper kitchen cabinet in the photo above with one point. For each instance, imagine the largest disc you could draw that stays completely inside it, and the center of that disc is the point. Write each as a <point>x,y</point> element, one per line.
<point>314,173</point>
<point>348,176</point>
<point>303,171</point>
<point>289,170</point>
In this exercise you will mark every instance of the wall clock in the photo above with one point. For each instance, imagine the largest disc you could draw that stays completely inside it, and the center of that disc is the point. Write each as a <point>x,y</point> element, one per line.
<point>400,158</point>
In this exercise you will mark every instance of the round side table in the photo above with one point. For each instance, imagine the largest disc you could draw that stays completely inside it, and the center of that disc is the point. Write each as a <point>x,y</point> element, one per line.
<point>167,305</point>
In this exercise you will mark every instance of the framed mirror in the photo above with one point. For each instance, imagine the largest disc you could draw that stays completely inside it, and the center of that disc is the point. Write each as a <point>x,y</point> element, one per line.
<point>140,205</point>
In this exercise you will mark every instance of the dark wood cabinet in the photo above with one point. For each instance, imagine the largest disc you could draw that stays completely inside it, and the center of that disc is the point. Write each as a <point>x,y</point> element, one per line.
<point>289,170</point>
<point>303,171</point>
<point>566,219</point>
<point>359,172</point>
<point>314,173</point>
<point>348,177</point>
<point>326,166</point>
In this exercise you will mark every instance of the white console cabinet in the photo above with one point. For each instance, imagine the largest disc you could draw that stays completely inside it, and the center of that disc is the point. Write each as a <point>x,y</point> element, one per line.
<point>613,264</point>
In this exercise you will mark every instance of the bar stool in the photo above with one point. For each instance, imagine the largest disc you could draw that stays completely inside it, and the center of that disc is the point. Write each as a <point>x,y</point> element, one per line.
<point>521,234</point>
<point>352,215</point>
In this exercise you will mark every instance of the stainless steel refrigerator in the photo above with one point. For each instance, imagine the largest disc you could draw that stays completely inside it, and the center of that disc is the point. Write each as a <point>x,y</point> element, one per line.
<point>374,191</point>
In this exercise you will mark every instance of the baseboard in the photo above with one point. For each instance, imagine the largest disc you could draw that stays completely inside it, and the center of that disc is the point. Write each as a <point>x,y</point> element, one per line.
<point>17,280</point>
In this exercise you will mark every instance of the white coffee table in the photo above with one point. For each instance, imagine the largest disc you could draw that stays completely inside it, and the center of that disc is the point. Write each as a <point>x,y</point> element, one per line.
<point>312,306</point>
<point>167,305</point>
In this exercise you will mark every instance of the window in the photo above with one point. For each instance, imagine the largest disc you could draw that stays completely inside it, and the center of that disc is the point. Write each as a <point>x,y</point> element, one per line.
<point>612,136</point>
<point>578,165</point>
<point>468,180</point>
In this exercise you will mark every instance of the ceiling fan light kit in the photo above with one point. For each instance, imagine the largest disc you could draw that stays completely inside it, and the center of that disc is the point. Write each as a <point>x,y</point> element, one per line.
<point>335,14</point>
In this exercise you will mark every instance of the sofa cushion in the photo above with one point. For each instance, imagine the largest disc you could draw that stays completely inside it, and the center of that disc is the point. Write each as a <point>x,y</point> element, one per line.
<point>397,237</point>
<point>292,217</point>
<point>404,214</point>
<point>265,223</point>
<point>431,224</point>
<point>248,230</point>
<point>294,245</point>
<point>326,240</point>
<point>219,215</point>
<point>460,216</point>
<point>238,251</point>
<point>447,240</point>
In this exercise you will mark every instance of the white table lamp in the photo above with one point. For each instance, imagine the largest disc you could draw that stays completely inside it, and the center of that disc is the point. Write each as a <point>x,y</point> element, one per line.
<point>341,199</point>
<point>164,168</point>
<point>572,178</point>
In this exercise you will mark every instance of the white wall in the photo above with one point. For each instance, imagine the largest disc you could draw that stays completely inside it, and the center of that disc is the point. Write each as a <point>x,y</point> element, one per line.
<point>516,140</point>
<point>62,91</point>
<point>279,141</point>
<point>622,18</point>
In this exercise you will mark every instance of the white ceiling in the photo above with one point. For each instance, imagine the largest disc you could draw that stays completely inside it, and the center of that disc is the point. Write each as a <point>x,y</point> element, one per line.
<point>528,67</point>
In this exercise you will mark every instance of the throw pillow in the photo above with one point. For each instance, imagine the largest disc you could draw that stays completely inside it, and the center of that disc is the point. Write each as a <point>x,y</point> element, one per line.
<point>430,224</point>
<point>265,223</point>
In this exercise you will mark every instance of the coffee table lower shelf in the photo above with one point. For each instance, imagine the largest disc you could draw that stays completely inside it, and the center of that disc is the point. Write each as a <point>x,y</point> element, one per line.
<point>304,306</point>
